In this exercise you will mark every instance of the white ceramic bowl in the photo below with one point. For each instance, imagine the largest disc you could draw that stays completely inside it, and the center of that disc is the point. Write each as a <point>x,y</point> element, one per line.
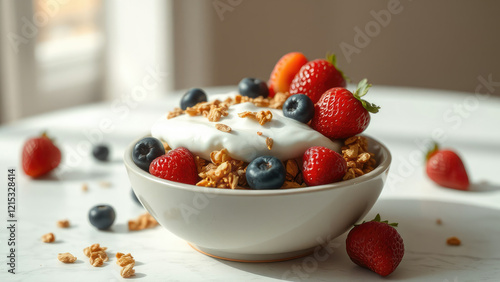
<point>259,225</point>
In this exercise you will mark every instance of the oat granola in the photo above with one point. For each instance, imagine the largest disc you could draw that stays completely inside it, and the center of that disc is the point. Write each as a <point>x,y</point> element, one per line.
<point>66,258</point>
<point>97,255</point>
<point>63,223</point>
<point>144,221</point>
<point>359,160</point>
<point>48,238</point>
<point>127,262</point>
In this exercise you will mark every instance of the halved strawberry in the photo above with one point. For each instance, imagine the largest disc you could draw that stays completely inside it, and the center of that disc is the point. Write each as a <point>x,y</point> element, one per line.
<point>317,76</point>
<point>284,71</point>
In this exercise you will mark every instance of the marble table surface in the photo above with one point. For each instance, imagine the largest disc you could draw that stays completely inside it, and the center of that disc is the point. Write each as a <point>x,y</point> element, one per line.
<point>409,118</point>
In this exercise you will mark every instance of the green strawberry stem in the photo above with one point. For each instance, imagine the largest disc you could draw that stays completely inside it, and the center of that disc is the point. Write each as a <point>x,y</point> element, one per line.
<point>431,152</point>
<point>377,219</point>
<point>330,57</point>
<point>361,91</point>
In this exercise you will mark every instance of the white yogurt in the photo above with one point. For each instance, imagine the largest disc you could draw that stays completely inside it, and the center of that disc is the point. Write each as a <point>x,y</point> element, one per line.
<point>291,138</point>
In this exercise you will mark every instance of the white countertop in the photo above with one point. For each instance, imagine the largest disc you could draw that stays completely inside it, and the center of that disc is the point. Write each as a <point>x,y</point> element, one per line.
<point>467,122</point>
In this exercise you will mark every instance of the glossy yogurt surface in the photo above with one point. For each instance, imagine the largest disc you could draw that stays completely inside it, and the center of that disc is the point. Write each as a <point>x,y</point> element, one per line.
<point>290,137</point>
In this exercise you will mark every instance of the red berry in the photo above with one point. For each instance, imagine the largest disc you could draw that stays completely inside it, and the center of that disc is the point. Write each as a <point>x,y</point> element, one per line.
<point>317,76</point>
<point>177,165</point>
<point>322,166</point>
<point>284,71</point>
<point>40,156</point>
<point>375,245</point>
<point>342,114</point>
<point>447,169</point>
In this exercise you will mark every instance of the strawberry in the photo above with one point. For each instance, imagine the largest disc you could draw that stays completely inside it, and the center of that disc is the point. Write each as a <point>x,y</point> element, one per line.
<point>375,245</point>
<point>447,169</point>
<point>322,166</point>
<point>177,165</point>
<point>342,114</point>
<point>40,156</point>
<point>317,76</point>
<point>284,71</point>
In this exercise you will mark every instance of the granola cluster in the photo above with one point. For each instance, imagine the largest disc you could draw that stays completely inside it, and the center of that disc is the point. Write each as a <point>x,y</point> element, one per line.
<point>97,255</point>
<point>293,178</point>
<point>144,221</point>
<point>66,258</point>
<point>63,223</point>
<point>48,238</point>
<point>262,116</point>
<point>359,160</point>
<point>127,262</point>
<point>222,171</point>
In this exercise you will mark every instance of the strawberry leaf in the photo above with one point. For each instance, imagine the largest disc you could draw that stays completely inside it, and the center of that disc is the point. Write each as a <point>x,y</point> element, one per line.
<point>332,58</point>
<point>377,219</point>
<point>363,87</point>
<point>431,152</point>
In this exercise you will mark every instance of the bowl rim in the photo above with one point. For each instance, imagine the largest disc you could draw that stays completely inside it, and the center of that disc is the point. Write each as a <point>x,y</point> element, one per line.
<point>381,168</point>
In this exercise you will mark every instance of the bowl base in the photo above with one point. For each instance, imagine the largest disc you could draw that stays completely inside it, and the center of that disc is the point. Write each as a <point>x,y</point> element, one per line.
<point>252,257</point>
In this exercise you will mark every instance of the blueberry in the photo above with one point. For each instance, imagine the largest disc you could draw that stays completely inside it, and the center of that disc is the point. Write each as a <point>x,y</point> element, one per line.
<point>102,216</point>
<point>192,97</point>
<point>101,152</point>
<point>146,150</point>
<point>134,196</point>
<point>253,88</point>
<point>266,172</point>
<point>299,107</point>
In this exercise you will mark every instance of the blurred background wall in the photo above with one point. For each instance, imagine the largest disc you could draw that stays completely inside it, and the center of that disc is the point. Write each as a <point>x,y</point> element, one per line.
<point>61,53</point>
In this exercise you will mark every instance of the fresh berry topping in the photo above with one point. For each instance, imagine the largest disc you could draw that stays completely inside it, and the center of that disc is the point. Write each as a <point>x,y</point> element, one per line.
<point>134,196</point>
<point>284,71</point>
<point>265,172</point>
<point>447,169</point>
<point>317,76</point>
<point>102,216</point>
<point>177,165</point>
<point>253,88</point>
<point>342,114</point>
<point>101,152</point>
<point>322,166</point>
<point>192,97</point>
<point>375,245</point>
<point>40,156</point>
<point>146,150</point>
<point>299,107</point>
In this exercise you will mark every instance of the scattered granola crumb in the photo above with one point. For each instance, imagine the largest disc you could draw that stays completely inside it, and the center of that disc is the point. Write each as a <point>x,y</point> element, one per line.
<point>66,258</point>
<point>85,187</point>
<point>105,184</point>
<point>97,255</point>
<point>262,116</point>
<point>439,221</point>
<point>144,221</point>
<point>453,241</point>
<point>127,263</point>
<point>269,143</point>
<point>63,223</point>
<point>259,133</point>
<point>48,238</point>
<point>223,127</point>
